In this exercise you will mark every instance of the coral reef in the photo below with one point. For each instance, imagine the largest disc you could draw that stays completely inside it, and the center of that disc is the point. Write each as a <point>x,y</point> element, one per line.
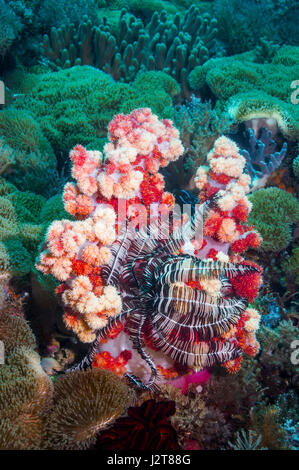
<point>244,91</point>
<point>139,144</point>
<point>174,46</point>
<point>76,105</point>
<point>10,26</point>
<point>133,318</point>
<point>242,25</point>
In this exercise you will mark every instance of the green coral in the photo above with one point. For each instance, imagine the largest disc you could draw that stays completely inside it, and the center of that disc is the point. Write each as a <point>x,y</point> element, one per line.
<point>172,44</point>
<point>75,105</point>
<point>273,213</point>
<point>23,133</point>
<point>27,158</point>
<point>247,90</point>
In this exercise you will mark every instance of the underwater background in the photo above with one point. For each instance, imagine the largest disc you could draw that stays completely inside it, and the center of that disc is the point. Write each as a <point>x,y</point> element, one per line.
<point>225,75</point>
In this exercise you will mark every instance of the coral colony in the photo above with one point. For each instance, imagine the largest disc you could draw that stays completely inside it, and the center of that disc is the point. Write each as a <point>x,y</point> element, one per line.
<point>198,290</point>
<point>149,225</point>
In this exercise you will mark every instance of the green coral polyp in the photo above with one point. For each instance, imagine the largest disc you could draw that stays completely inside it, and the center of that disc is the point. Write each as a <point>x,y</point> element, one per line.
<point>250,90</point>
<point>273,213</point>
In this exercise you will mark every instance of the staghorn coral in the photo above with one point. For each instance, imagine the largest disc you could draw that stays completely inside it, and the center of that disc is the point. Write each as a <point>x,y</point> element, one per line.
<point>84,404</point>
<point>174,46</point>
<point>273,213</point>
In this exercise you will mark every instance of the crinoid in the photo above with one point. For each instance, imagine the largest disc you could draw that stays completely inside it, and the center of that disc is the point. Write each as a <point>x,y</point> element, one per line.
<point>161,301</point>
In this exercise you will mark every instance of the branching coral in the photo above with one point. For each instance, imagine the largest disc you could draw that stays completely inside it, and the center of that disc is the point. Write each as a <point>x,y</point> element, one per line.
<point>273,213</point>
<point>246,441</point>
<point>85,403</point>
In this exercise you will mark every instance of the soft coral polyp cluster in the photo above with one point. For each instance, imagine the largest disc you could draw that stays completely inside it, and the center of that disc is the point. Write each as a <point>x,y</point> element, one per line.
<point>139,144</point>
<point>227,236</point>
